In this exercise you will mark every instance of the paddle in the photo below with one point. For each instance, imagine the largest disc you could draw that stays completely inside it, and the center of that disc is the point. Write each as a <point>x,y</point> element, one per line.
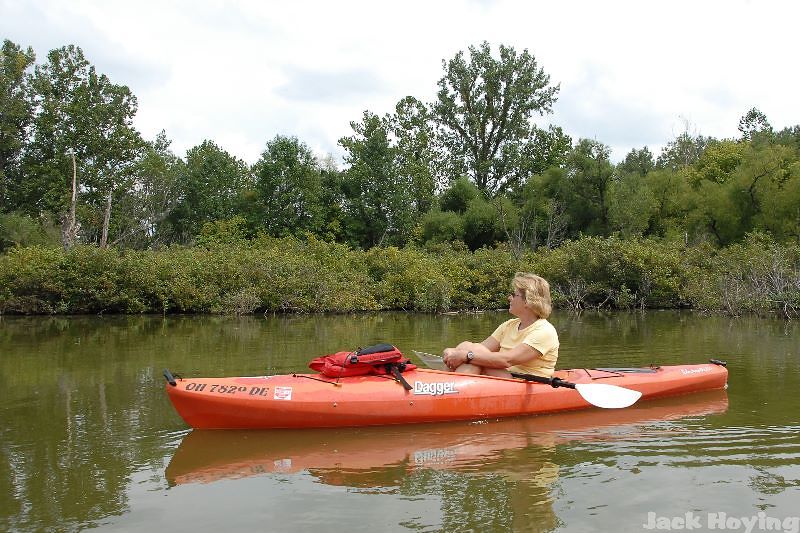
<point>598,394</point>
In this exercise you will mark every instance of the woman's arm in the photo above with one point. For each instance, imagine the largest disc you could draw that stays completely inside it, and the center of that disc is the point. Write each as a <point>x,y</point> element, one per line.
<point>454,357</point>
<point>484,355</point>
<point>521,353</point>
<point>491,344</point>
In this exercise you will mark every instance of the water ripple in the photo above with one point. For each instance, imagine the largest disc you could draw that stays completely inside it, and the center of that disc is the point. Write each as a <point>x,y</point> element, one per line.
<point>770,446</point>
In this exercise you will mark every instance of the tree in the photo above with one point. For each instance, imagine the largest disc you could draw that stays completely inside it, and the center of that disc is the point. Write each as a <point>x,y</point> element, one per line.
<point>332,201</point>
<point>483,110</point>
<point>789,136</point>
<point>458,195</point>
<point>516,226</point>
<point>142,213</point>
<point>717,162</point>
<point>212,188</point>
<point>712,211</point>
<point>412,129</point>
<point>754,124</point>
<point>683,151</point>
<point>758,194</point>
<point>442,226</point>
<point>782,219</point>
<point>760,187</point>
<point>483,225</point>
<point>589,175</point>
<point>288,187</point>
<point>544,149</point>
<point>24,230</point>
<point>543,209</point>
<point>79,114</point>
<point>670,191</point>
<point>114,146</point>
<point>376,194</point>
<point>16,113</point>
<point>637,161</point>
<point>631,204</point>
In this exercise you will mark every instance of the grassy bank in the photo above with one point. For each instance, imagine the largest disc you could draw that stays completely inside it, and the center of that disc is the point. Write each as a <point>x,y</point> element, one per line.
<point>290,275</point>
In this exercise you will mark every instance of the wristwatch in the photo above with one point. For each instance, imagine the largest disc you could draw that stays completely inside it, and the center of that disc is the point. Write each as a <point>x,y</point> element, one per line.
<point>470,356</point>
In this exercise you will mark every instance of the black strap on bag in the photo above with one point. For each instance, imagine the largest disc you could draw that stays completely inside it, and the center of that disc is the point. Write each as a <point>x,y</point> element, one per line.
<point>396,371</point>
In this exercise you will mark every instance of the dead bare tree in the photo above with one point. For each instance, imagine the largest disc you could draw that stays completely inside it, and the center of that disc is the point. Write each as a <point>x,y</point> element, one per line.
<point>517,236</point>
<point>69,228</point>
<point>556,223</point>
<point>575,292</point>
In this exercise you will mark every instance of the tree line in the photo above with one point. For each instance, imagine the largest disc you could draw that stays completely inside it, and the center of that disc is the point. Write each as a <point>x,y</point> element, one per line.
<point>469,169</point>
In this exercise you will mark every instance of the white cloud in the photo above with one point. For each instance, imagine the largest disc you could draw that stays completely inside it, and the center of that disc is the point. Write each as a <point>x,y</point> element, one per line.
<point>240,73</point>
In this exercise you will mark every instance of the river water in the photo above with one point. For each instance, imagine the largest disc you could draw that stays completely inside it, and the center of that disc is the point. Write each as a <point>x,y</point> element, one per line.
<point>89,439</point>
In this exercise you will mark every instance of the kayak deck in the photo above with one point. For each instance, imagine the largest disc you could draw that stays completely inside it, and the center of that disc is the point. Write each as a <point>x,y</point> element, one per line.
<point>312,400</point>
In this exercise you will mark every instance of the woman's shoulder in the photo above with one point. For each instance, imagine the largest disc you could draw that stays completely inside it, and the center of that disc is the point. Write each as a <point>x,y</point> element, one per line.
<point>542,324</point>
<point>545,325</point>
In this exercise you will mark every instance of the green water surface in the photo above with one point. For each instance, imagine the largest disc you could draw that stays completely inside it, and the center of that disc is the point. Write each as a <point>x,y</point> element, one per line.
<point>89,439</point>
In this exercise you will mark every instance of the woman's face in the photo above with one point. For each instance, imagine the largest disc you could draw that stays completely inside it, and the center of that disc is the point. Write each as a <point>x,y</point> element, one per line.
<point>516,302</point>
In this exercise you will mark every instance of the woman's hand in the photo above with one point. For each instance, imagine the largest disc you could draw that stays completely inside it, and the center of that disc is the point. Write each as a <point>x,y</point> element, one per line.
<point>451,358</point>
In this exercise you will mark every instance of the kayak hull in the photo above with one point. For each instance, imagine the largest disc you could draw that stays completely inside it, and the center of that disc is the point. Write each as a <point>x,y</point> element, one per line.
<point>313,401</point>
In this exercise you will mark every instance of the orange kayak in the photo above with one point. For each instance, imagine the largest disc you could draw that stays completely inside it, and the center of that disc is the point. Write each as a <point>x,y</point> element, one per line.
<point>342,458</point>
<point>314,401</point>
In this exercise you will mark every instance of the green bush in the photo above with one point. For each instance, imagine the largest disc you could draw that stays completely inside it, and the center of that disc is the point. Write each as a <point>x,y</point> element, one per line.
<point>21,230</point>
<point>309,275</point>
<point>484,278</point>
<point>482,224</point>
<point>458,196</point>
<point>442,226</point>
<point>757,275</point>
<point>615,273</point>
<point>29,280</point>
<point>408,279</point>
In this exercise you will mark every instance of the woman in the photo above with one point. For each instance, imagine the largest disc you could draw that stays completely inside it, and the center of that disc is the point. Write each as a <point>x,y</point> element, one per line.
<point>527,344</point>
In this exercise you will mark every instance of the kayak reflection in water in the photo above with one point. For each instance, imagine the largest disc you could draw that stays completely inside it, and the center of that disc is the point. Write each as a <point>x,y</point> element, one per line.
<point>527,344</point>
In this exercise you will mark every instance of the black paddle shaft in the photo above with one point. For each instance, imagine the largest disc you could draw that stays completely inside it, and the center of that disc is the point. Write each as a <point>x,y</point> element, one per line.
<point>553,382</point>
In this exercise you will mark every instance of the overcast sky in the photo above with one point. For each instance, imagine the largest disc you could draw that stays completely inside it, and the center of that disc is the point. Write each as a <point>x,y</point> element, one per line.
<point>632,74</point>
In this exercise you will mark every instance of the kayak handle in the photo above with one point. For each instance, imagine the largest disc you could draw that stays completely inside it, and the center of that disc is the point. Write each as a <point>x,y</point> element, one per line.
<point>170,378</point>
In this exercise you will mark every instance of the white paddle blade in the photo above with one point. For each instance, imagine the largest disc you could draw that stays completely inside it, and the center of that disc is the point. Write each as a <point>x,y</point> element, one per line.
<point>607,396</point>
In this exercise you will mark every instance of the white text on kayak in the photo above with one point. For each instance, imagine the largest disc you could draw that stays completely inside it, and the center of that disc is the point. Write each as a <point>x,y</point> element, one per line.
<point>434,389</point>
<point>686,371</point>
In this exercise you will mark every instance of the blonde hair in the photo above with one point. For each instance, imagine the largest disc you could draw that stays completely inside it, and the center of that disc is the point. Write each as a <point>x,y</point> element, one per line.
<point>537,292</point>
